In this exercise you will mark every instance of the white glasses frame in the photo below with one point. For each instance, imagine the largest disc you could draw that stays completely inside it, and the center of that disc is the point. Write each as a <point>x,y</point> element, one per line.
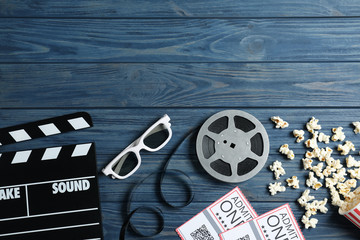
<point>137,146</point>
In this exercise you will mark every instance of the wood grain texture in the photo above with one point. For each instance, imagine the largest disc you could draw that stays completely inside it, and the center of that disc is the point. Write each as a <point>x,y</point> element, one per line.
<point>128,62</point>
<point>179,85</point>
<point>178,40</point>
<point>114,129</point>
<point>175,8</point>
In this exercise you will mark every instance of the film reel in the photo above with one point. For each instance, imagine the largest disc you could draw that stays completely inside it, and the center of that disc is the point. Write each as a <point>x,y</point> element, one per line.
<point>232,146</point>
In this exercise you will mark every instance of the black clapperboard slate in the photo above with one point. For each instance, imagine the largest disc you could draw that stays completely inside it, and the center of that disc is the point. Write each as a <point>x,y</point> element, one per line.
<point>49,193</point>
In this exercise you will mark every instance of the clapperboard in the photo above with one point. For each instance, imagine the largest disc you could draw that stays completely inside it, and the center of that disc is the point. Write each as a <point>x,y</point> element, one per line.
<point>49,193</point>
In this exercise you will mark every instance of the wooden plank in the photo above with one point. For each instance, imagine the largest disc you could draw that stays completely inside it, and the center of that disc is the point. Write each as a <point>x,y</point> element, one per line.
<point>179,85</point>
<point>179,40</point>
<point>114,129</point>
<point>186,8</point>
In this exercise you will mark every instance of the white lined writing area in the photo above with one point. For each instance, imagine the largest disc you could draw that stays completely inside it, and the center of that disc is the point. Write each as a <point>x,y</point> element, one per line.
<point>49,229</point>
<point>7,193</point>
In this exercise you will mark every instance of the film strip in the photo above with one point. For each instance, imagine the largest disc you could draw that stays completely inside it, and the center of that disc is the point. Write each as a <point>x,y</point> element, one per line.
<point>49,193</point>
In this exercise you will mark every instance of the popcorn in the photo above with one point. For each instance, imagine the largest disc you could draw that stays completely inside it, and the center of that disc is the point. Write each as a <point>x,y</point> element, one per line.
<point>312,142</point>
<point>335,174</point>
<point>351,183</point>
<point>313,182</point>
<point>318,170</point>
<point>321,206</point>
<point>334,163</point>
<point>338,134</point>
<point>284,149</point>
<point>299,134</point>
<point>309,222</point>
<point>335,197</point>
<point>279,122</point>
<point>351,162</point>
<point>293,182</point>
<point>344,191</point>
<point>331,162</point>
<point>345,188</point>
<point>340,175</point>
<point>342,185</point>
<point>345,149</point>
<point>328,171</point>
<point>354,173</point>
<point>317,185</point>
<point>323,154</point>
<point>276,187</point>
<point>350,203</point>
<point>329,182</point>
<point>310,212</point>
<point>305,198</point>
<point>277,168</point>
<point>357,127</point>
<point>309,154</point>
<point>323,138</point>
<point>349,196</point>
<point>311,208</point>
<point>313,125</point>
<point>307,163</point>
<point>316,205</point>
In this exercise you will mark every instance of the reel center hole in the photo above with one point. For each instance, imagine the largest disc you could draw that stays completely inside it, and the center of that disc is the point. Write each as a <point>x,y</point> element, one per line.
<point>232,145</point>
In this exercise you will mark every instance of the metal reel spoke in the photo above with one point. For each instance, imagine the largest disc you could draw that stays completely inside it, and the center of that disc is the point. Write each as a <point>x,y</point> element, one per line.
<point>252,133</point>
<point>213,136</point>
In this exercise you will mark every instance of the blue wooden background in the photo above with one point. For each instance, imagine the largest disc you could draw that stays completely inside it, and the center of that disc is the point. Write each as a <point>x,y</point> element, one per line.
<point>128,62</point>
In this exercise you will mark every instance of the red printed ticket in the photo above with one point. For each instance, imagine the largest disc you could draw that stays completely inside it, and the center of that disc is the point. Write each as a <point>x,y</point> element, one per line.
<point>278,224</point>
<point>227,212</point>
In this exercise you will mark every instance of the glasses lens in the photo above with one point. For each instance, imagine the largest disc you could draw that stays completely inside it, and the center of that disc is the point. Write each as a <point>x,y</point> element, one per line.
<point>125,164</point>
<point>157,136</point>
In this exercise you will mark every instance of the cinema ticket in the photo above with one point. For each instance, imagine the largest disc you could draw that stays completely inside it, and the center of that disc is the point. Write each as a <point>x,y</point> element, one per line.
<point>227,212</point>
<point>277,224</point>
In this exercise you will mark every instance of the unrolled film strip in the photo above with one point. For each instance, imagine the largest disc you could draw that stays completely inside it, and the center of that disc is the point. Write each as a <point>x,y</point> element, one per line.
<point>50,193</point>
<point>44,128</point>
